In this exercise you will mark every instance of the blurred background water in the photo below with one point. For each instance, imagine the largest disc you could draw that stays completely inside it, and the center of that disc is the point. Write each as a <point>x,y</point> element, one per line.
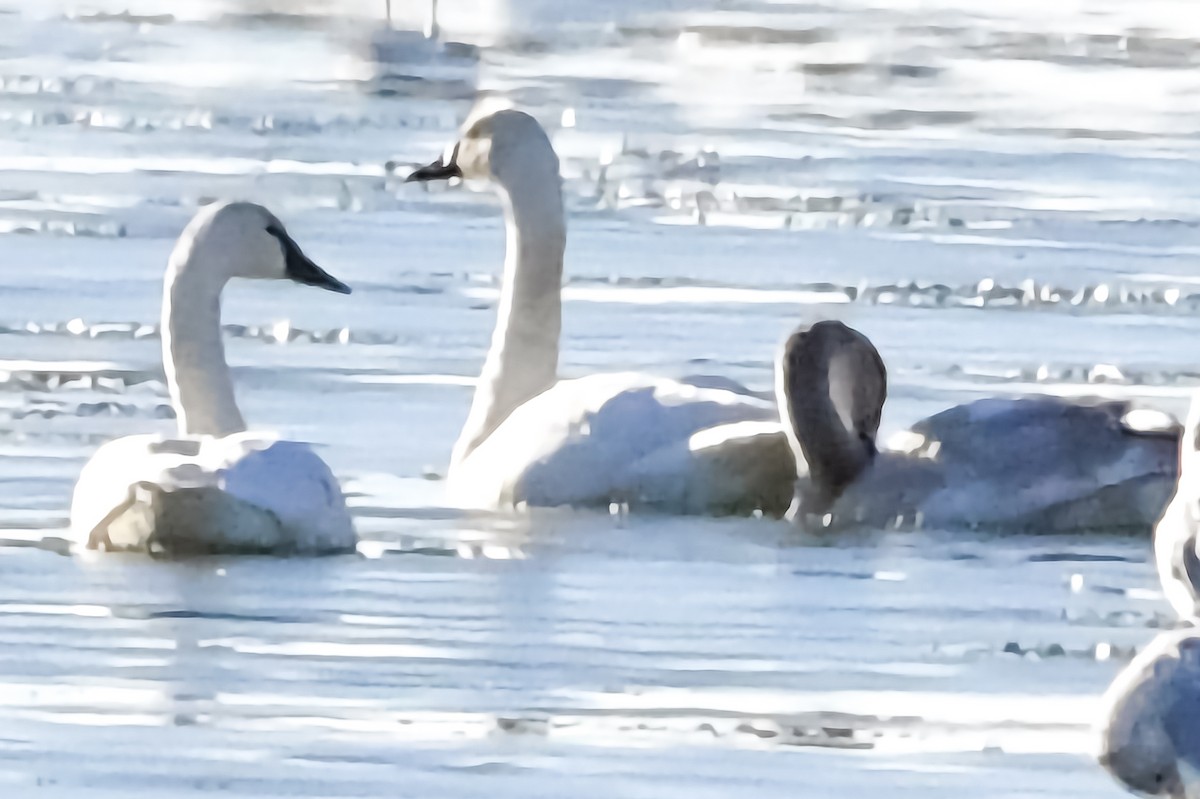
<point>1003,196</point>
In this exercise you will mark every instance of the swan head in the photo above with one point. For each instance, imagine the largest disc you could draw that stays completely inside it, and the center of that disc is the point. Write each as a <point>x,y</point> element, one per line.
<point>242,239</point>
<point>499,146</point>
<point>1148,732</point>
<point>831,385</point>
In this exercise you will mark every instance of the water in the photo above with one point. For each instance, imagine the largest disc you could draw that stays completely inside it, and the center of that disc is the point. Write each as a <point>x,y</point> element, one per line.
<point>1004,197</point>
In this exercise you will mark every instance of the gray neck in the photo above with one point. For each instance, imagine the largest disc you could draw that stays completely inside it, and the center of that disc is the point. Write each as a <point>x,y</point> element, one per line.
<point>193,355</point>
<point>831,396</point>
<point>523,359</point>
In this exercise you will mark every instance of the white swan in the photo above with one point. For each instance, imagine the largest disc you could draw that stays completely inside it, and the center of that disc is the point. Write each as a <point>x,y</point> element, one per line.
<point>216,487</point>
<point>1177,535</point>
<point>530,437</point>
<point>1149,727</point>
<point>1037,463</point>
<point>706,446</point>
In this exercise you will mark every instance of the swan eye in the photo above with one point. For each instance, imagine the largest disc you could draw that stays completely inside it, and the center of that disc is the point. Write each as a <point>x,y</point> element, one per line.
<point>299,267</point>
<point>278,234</point>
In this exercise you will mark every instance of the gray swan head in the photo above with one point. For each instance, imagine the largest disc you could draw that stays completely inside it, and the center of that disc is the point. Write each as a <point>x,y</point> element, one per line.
<point>830,387</point>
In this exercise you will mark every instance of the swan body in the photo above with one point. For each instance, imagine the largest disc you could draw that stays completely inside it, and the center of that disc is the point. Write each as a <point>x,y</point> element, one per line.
<point>586,442</point>
<point>1148,732</point>
<point>1039,464</point>
<point>246,492</point>
<point>529,437</point>
<point>214,487</point>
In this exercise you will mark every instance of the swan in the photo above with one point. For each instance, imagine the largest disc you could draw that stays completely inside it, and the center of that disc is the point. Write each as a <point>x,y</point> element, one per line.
<point>215,487</point>
<point>1148,733</point>
<point>707,446</point>
<point>1178,531</point>
<point>1034,463</point>
<point>530,437</point>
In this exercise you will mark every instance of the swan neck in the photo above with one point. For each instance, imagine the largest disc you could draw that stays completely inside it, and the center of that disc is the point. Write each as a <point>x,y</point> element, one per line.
<point>198,377</point>
<point>522,361</point>
<point>822,437</point>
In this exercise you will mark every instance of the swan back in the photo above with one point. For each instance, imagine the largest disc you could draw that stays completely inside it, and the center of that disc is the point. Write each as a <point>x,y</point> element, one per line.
<point>594,439</point>
<point>243,492</point>
<point>831,385</point>
<point>1037,464</point>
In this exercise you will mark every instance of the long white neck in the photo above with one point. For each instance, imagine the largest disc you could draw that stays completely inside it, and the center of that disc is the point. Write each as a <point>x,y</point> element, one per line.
<point>523,359</point>
<point>193,355</point>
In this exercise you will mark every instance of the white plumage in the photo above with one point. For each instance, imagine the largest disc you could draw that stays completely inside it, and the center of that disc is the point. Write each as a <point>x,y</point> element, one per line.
<point>243,492</point>
<point>605,438</point>
<point>588,441</point>
<point>215,487</point>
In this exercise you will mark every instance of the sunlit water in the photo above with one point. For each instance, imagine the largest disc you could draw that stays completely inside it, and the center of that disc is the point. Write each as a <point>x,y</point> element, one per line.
<point>1003,196</point>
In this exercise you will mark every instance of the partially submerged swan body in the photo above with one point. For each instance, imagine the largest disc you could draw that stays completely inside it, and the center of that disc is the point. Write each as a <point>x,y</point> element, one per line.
<point>1149,729</point>
<point>1036,464</point>
<point>215,487</point>
<point>242,493</point>
<point>1177,536</point>
<point>530,438</point>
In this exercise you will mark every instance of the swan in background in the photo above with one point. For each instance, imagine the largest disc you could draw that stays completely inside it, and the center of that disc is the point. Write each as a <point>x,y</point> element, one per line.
<point>1175,537</point>
<point>215,487</point>
<point>1149,728</point>
<point>529,437</point>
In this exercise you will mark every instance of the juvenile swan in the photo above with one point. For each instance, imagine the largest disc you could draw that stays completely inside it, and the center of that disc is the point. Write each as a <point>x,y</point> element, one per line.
<point>1040,464</point>
<point>1178,532</point>
<point>216,487</point>
<point>530,437</point>
<point>1149,728</point>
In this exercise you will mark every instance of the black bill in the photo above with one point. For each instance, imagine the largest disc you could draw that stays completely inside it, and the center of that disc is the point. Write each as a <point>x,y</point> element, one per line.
<point>300,268</point>
<point>438,170</point>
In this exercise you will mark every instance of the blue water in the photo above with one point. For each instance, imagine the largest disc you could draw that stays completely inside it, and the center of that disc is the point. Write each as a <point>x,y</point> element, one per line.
<point>1003,197</point>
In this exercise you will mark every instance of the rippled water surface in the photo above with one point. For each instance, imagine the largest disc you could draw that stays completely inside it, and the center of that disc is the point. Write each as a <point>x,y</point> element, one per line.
<point>1003,196</point>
